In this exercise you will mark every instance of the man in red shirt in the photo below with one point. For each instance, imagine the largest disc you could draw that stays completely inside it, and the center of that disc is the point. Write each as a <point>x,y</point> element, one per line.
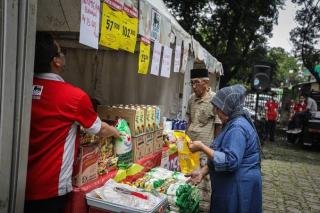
<point>58,108</point>
<point>271,108</point>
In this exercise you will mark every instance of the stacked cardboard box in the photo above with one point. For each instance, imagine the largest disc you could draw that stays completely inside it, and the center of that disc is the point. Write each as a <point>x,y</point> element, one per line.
<point>138,147</point>
<point>144,122</point>
<point>134,115</point>
<point>158,140</point>
<point>86,164</point>
<point>149,138</point>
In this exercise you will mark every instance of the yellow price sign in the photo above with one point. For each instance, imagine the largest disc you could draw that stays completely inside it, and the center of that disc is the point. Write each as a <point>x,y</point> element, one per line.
<point>144,57</point>
<point>110,27</point>
<point>129,33</point>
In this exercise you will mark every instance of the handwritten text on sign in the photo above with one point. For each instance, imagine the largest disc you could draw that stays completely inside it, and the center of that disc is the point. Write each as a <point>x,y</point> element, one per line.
<point>156,57</point>
<point>89,26</point>
<point>166,62</point>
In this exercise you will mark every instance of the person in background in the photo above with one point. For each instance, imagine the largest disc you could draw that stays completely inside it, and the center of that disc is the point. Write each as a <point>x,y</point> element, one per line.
<point>58,108</point>
<point>303,112</point>
<point>271,109</point>
<point>201,120</point>
<point>234,159</point>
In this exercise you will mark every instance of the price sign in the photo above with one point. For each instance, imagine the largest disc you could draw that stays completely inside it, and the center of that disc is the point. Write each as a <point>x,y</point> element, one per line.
<point>128,32</point>
<point>144,57</point>
<point>110,27</point>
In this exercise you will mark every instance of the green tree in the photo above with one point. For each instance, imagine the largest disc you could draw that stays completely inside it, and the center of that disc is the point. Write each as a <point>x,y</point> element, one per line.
<point>235,32</point>
<point>286,67</point>
<point>306,36</point>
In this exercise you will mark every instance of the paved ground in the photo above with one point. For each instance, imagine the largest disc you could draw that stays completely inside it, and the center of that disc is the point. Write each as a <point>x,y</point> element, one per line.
<point>291,178</point>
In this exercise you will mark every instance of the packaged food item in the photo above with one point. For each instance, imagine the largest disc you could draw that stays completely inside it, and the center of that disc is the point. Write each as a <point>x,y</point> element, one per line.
<point>150,119</point>
<point>107,159</point>
<point>157,117</point>
<point>87,138</point>
<point>123,144</point>
<point>188,161</point>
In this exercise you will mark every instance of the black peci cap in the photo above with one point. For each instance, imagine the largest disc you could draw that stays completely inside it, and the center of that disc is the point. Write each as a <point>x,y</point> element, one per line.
<point>199,73</point>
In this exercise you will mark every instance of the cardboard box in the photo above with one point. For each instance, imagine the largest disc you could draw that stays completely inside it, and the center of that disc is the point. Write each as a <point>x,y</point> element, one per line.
<point>158,140</point>
<point>149,143</point>
<point>86,165</point>
<point>135,117</point>
<point>150,118</point>
<point>138,147</point>
<point>157,117</point>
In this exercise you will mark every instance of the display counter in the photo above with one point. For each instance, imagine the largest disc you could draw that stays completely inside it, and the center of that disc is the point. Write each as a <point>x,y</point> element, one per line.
<point>77,201</point>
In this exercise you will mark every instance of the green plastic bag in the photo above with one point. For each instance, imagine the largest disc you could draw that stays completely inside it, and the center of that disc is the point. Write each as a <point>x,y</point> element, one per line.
<point>123,145</point>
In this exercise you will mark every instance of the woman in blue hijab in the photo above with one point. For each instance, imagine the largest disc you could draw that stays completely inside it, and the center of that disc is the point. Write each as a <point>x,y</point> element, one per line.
<point>233,157</point>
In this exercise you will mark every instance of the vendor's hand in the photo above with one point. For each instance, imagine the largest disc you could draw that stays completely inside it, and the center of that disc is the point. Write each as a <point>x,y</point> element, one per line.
<point>195,177</point>
<point>195,146</point>
<point>116,133</point>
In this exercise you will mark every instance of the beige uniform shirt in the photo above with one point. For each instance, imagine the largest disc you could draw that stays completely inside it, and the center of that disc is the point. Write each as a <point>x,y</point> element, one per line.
<point>200,111</point>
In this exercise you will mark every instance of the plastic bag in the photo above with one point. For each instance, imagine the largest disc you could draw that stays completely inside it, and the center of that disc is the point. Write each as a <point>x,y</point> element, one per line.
<point>188,161</point>
<point>123,144</point>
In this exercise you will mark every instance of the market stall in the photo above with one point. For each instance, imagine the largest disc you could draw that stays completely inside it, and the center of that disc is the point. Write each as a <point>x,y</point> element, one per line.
<point>112,76</point>
<point>134,58</point>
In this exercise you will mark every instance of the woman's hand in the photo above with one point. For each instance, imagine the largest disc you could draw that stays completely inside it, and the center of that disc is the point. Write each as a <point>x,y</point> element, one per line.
<point>195,146</point>
<point>195,177</point>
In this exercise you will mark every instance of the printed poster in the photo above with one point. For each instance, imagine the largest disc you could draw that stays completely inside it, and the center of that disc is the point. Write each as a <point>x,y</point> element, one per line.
<point>111,24</point>
<point>177,57</point>
<point>156,57</point>
<point>89,23</point>
<point>166,62</point>
<point>144,56</point>
<point>155,25</point>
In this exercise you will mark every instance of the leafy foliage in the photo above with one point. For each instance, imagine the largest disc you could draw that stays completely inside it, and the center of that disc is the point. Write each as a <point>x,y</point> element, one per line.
<point>286,67</point>
<point>235,32</point>
<point>306,36</point>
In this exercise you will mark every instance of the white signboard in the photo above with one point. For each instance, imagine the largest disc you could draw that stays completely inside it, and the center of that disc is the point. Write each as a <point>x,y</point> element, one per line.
<point>144,18</point>
<point>156,57</point>
<point>177,57</point>
<point>166,62</point>
<point>89,23</point>
<point>185,55</point>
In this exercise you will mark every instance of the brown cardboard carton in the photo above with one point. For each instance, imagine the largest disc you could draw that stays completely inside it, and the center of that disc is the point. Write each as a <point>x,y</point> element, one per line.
<point>158,140</point>
<point>157,117</point>
<point>138,147</point>
<point>133,115</point>
<point>149,143</point>
<point>150,119</point>
<point>86,165</point>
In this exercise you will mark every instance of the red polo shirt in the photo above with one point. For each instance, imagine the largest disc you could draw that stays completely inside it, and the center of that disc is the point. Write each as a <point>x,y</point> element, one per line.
<point>57,110</point>
<point>271,110</point>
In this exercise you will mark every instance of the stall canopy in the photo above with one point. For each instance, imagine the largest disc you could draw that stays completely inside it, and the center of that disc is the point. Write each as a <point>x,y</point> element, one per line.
<point>111,76</point>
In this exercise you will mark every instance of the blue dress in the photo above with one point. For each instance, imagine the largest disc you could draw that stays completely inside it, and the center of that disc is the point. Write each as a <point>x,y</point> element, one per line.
<point>235,169</point>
